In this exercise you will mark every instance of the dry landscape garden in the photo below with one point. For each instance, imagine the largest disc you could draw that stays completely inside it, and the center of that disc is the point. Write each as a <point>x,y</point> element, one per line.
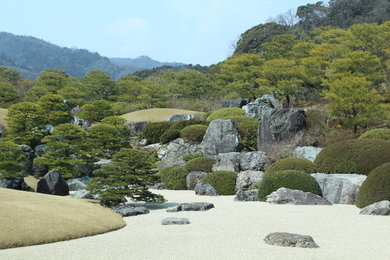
<point>282,151</point>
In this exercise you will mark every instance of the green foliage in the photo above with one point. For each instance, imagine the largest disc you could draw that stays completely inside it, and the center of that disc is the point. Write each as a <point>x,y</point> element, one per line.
<point>98,85</point>
<point>120,108</point>
<point>378,133</point>
<point>96,111</point>
<point>290,179</point>
<point>118,123</point>
<point>174,178</point>
<point>200,164</point>
<point>247,128</point>
<point>154,130</point>
<point>376,187</point>
<point>224,182</point>
<point>55,109</point>
<point>193,133</point>
<point>128,175</point>
<point>12,160</point>
<point>290,163</point>
<point>73,95</point>
<point>190,156</point>
<point>169,135</point>
<point>8,95</point>
<point>225,113</point>
<point>353,156</point>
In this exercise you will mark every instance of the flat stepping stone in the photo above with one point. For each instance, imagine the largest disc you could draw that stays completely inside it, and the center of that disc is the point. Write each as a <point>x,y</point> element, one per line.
<point>128,210</point>
<point>290,240</point>
<point>196,206</point>
<point>381,208</point>
<point>175,221</point>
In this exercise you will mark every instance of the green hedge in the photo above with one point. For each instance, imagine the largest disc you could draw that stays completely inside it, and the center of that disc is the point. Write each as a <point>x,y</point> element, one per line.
<point>247,128</point>
<point>290,179</point>
<point>201,164</point>
<point>291,163</point>
<point>379,133</point>
<point>174,178</point>
<point>193,133</point>
<point>154,130</point>
<point>224,182</point>
<point>169,135</point>
<point>225,113</point>
<point>376,187</point>
<point>353,156</point>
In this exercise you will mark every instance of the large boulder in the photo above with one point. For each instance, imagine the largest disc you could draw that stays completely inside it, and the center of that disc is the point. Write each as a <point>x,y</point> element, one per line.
<point>247,195</point>
<point>85,194</point>
<point>53,183</point>
<point>248,179</point>
<point>172,154</point>
<point>290,240</point>
<point>221,137</point>
<point>257,108</point>
<point>13,183</point>
<point>30,156</point>
<point>295,197</point>
<point>76,184</point>
<point>205,189</point>
<point>339,188</point>
<point>137,127</point>
<point>235,161</point>
<point>238,102</point>
<point>307,152</point>
<point>381,208</point>
<point>280,126</point>
<point>181,117</point>
<point>193,178</point>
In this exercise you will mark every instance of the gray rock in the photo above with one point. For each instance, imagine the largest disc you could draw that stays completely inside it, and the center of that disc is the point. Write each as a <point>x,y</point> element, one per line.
<point>40,149</point>
<point>381,208</point>
<point>181,117</point>
<point>295,197</point>
<point>247,195</point>
<point>205,189</point>
<point>152,147</point>
<point>143,142</point>
<point>152,206</point>
<point>53,183</point>
<point>234,161</point>
<point>279,125</point>
<point>101,162</point>
<point>172,154</point>
<point>80,122</point>
<point>290,240</point>
<point>137,127</point>
<point>157,186</point>
<point>30,156</point>
<point>339,188</point>
<point>128,210</point>
<point>238,102</point>
<point>307,152</point>
<point>257,108</point>
<point>193,178</point>
<point>221,137</point>
<point>13,183</point>
<point>76,184</point>
<point>85,194</point>
<point>248,179</point>
<point>175,221</point>
<point>75,110</point>
<point>195,206</point>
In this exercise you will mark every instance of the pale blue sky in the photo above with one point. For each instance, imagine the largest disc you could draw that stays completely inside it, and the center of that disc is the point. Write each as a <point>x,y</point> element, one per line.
<point>188,31</point>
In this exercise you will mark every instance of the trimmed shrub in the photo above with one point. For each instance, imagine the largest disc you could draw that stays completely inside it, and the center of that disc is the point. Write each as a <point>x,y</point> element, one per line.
<point>225,113</point>
<point>291,179</point>
<point>183,124</point>
<point>201,164</point>
<point>247,128</point>
<point>376,187</point>
<point>379,133</point>
<point>190,156</point>
<point>193,133</point>
<point>174,178</point>
<point>169,135</point>
<point>291,163</point>
<point>154,130</point>
<point>353,156</point>
<point>224,182</point>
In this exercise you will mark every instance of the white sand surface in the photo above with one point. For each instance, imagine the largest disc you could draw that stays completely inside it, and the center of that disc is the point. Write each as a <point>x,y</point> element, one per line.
<point>232,230</point>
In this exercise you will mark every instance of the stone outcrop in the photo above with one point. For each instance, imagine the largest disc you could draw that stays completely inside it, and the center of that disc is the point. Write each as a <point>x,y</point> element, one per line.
<point>137,127</point>
<point>193,178</point>
<point>85,194</point>
<point>13,183</point>
<point>84,124</point>
<point>235,161</point>
<point>181,117</point>
<point>290,240</point>
<point>221,137</point>
<point>76,184</point>
<point>257,108</point>
<point>339,188</point>
<point>237,102</point>
<point>195,206</point>
<point>307,152</point>
<point>53,183</point>
<point>175,221</point>
<point>30,156</point>
<point>205,189</point>
<point>128,210</point>
<point>248,179</point>
<point>247,195</point>
<point>172,154</point>
<point>295,197</point>
<point>381,208</point>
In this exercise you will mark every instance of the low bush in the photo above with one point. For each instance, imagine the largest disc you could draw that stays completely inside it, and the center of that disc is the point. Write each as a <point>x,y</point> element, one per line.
<point>201,164</point>
<point>169,135</point>
<point>182,124</point>
<point>379,133</point>
<point>353,156</point>
<point>190,156</point>
<point>247,128</point>
<point>225,113</point>
<point>174,178</point>
<point>154,130</point>
<point>291,163</point>
<point>224,182</point>
<point>376,187</point>
<point>291,179</point>
<point>193,133</point>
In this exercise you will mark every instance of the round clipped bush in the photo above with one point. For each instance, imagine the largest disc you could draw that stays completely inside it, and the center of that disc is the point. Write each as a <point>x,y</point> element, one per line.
<point>379,133</point>
<point>193,133</point>
<point>290,179</point>
<point>224,182</point>
<point>201,164</point>
<point>291,163</point>
<point>353,156</point>
<point>173,177</point>
<point>376,187</point>
<point>169,135</point>
<point>182,124</point>
<point>225,113</point>
<point>154,130</point>
<point>247,128</point>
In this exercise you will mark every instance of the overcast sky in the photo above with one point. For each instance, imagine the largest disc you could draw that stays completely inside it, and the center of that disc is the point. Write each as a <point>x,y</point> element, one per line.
<point>188,31</point>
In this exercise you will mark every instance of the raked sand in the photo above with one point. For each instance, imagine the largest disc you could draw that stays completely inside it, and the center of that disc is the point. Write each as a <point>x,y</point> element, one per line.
<point>232,230</point>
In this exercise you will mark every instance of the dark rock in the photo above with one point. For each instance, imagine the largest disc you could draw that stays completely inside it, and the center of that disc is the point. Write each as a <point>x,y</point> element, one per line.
<point>40,149</point>
<point>53,183</point>
<point>381,208</point>
<point>30,156</point>
<point>182,117</point>
<point>279,125</point>
<point>137,127</point>
<point>126,210</point>
<point>196,206</point>
<point>247,195</point>
<point>221,137</point>
<point>193,178</point>
<point>205,189</point>
<point>290,240</point>
<point>295,197</point>
<point>257,108</point>
<point>39,170</point>
<point>13,183</point>
<point>238,102</point>
<point>175,221</point>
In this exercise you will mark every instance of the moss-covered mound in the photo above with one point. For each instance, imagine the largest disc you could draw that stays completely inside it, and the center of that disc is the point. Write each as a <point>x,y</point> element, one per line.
<point>224,182</point>
<point>291,163</point>
<point>225,113</point>
<point>291,179</point>
<point>353,156</point>
<point>200,164</point>
<point>174,178</point>
<point>247,129</point>
<point>193,133</point>
<point>379,133</point>
<point>153,131</point>
<point>376,186</point>
<point>169,135</point>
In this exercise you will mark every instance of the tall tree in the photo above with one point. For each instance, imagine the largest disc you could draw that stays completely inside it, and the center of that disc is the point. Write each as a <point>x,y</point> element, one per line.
<point>12,160</point>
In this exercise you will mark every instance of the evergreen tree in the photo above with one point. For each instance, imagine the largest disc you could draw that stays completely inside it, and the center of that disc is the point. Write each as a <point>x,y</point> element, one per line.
<point>11,160</point>
<point>56,110</point>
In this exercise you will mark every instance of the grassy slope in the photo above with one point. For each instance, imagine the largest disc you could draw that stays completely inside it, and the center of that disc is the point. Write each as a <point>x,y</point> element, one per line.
<point>3,114</point>
<point>28,218</point>
<point>156,114</point>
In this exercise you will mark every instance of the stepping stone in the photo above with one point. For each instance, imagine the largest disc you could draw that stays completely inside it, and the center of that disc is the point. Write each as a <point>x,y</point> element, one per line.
<point>128,210</point>
<point>175,221</point>
<point>381,208</point>
<point>290,240</point>
<point>196,206</point>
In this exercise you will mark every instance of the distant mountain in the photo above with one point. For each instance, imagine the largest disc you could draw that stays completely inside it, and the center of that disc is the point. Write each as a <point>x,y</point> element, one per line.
<point>31,56</point>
